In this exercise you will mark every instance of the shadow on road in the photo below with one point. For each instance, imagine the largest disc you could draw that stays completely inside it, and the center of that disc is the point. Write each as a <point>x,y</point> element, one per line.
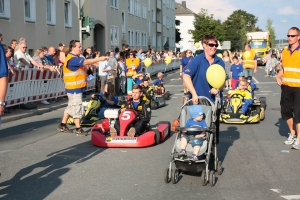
<point>283,128</point>
<point>227,139</point>
<point>41,179</point>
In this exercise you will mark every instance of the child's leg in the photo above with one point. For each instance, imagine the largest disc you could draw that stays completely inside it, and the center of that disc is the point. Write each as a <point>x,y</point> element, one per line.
<point>184,141</point>
<point>196,149</point>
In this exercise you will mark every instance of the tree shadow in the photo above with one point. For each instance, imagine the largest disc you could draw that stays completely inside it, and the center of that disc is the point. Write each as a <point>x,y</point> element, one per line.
<point>41,179</point>
<point>283,128</point>
<point>227,139</point>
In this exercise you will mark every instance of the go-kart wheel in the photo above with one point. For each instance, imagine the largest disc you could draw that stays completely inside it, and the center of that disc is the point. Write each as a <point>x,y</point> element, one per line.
<point>169,126</point>
<point>156,136</point>
<point>219,168</point>
<point>167,178</point>
<point>203,178</point>
<point>263,104</point>
<point>212,178</point>
<point>175,175</point>
<point>153,105</point>
<point>262,114</point>
<point>167,95</point>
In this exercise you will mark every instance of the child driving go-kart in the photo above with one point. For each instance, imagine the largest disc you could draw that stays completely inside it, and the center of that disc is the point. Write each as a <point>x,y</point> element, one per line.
<point>147,90</point>
<point>159,84</point>
<point>142,109</point>
<point>242,93</point>
<point>250,84</point>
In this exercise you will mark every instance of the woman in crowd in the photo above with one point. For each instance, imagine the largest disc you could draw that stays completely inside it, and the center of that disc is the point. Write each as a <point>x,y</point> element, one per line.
<point>186,59</point>
<point>227,60</point>
<point>122,74</point>
<point>131,68</point>
<point>108,99</point>
<point>102,75</point>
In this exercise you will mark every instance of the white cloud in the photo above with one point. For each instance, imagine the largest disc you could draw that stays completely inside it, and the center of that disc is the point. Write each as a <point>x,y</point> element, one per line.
<point>221,9</point>
<point>287,10</point>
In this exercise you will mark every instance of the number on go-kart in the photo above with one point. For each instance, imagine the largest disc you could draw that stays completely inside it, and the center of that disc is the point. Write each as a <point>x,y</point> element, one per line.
<point>125,115</point>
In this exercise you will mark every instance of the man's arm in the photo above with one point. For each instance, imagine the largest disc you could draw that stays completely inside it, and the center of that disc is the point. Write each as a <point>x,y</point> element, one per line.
<point>24,62</point>
<point>94,60</point>
<point>255,66</point>
<point>146,116</point>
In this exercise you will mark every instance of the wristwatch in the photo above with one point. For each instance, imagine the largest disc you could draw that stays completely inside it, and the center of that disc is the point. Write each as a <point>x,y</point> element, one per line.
<point>2,103</point>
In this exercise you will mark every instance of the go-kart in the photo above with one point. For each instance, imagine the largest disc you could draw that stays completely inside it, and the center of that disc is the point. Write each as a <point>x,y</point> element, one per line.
<point>101,135</point>
<point>159,92</point>
<point>90,116</point>
<point>157,101</point>
<point>254,114</point>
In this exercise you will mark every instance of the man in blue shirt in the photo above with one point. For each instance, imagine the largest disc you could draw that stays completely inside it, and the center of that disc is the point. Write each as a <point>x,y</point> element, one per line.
<point>195,74</point>
<point>3,79</point>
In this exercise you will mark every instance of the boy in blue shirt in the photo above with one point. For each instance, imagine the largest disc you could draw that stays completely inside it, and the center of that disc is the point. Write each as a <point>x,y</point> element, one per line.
<point>138,79</point>
<point>159,82</point>
<point>235,69</point>
<point>196,120</point>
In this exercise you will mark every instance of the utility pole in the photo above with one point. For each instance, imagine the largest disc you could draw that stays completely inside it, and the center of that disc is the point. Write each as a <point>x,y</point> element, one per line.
<point>80,21</point>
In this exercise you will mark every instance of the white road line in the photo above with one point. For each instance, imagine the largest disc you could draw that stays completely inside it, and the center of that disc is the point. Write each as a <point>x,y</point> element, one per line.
<point>276,190</point>
<point>256,81</point>
<point>262,94</point>
<point>291,197</point>
<point>265,91</point>
<point>178,94</point>
<point>266,83</point>
<point>174,97</point>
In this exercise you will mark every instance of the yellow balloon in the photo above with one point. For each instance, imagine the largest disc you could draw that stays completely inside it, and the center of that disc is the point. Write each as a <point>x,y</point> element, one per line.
<point>147,62</point>
<point>220,55</point>
<point>246,55</point>
<point>216,76</point>
<point>197,45</point>
<point>285,47</point>
<point>168,60</point>
<point>229,52</point>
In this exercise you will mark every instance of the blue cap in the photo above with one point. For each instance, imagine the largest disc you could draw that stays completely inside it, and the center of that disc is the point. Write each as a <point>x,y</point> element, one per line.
<point>241,74</point>
<point>195,111</point>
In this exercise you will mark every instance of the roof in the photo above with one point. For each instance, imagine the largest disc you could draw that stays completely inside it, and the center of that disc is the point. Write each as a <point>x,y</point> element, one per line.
<point>181,10</point>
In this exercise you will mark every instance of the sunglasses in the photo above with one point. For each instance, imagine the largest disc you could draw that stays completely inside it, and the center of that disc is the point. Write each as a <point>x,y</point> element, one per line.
<point>292,35</point>
<point>189,52</point>
<point>213,45</point>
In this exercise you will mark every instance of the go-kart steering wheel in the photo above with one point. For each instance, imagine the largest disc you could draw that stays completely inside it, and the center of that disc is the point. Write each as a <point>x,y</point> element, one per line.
<point>236,95</point>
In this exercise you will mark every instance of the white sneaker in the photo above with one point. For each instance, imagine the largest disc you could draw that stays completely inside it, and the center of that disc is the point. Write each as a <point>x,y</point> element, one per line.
<point>45,102</point>
<point>296,144</point>
<point>291,139</point>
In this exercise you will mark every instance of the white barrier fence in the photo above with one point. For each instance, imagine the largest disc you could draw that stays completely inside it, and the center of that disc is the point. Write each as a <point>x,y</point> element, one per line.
<point>33,85</point>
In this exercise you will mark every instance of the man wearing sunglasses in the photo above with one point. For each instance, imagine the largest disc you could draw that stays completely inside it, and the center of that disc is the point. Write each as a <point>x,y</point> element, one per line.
<point>195,74</point>
<point>249,60</point>
<point>289,80</point>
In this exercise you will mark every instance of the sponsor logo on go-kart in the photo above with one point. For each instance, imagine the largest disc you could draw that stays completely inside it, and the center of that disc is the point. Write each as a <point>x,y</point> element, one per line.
<point>121,140</point>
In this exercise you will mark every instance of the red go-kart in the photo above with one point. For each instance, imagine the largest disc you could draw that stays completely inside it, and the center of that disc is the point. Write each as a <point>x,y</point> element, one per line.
<point>101,136</point>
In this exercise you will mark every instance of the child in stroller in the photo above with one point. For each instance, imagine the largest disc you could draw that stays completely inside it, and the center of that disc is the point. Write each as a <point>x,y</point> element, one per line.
<point>196,120</point>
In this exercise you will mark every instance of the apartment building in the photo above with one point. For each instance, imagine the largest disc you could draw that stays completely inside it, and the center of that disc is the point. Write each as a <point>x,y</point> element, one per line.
<point>186,18</point>
<point>139,23</point>
<point>41,22</point>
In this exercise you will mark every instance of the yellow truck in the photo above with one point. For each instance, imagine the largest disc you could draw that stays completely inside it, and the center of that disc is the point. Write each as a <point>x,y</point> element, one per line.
<point>260,43</point>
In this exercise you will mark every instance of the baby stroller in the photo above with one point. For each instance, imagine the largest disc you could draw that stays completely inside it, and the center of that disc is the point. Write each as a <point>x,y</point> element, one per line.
<point>207,162</point>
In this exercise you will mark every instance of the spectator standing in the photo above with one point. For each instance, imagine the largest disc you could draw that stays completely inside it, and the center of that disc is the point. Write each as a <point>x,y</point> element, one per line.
<point>289,80</point>
<point>186,59</point>
<point>113,63</point>
<point>235,69</point>
<point>102,74</point>
<point>227,60</point>
<point>249,60</point>
<point>267,60</point>
<point>75,84</point>
<point>51,54</point>
<point>3,79</point>
<point>13,45</point>
<point>131,68</point>
<point>122,74</point>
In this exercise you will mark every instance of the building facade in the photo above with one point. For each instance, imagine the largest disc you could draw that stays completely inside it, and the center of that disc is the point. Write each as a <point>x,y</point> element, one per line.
<point>186,18</point>
<point>42,23</point>
<point>146,24</point>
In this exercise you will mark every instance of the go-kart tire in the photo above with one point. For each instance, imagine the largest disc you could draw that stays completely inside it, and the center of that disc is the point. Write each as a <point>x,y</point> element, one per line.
<point>156,136</point>
<point>167,95</point>
<point>263,104</point>
<point>212,178</point>
<point>153,105</point>
<point>261,99</point>
<point>169,124</point>
<point>219,168</point>
<point>203,178</point>
<point>264,114</point>
<point>175,175</point>
<point>167,178</point>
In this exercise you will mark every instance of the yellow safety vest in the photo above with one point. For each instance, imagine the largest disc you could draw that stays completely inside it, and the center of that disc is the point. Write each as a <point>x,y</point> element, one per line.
<point>73,79</point>
<point>248,60</point>
<point>291,68</point>
<point>132,66</point>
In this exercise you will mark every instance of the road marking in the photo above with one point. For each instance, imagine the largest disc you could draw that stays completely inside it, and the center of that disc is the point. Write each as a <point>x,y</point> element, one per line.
<point>266,83</point>
<point>265,91</point>
<point>178,94</point>
<point>276,190</point>
<point>174,79</point>
<point>262,94</point>
<point>174,97</point>
<point>256,81</point>
<point>291,197</point>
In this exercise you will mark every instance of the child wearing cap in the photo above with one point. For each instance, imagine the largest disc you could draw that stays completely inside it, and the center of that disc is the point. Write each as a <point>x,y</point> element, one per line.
<point>159,82</point>
<point>235,69</point>
<point>138,79</point>
<point>197,120</point>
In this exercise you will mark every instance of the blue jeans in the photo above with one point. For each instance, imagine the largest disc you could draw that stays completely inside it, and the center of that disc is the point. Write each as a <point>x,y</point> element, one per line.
<point>248,73</point>
<point>195,142</point>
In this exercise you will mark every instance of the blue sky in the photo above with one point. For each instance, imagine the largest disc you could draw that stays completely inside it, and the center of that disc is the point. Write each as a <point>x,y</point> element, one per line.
<point>284,13</point>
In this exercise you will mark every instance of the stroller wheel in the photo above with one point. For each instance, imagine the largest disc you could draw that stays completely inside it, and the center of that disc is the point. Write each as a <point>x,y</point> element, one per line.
<point>175,175</point>
<point>219,168</point>
<point>167,178</point>
<point>212,178</point>
<point>203,177</point>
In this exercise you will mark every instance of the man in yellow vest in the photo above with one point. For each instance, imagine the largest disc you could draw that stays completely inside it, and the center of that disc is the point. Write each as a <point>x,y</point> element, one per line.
<point>75,84</point>
<point>249,61</point>
<point>289,80</point>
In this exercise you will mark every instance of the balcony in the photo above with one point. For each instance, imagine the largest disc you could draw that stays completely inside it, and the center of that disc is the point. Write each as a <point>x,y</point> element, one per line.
<point>158,4</point>
<point>158,25</point>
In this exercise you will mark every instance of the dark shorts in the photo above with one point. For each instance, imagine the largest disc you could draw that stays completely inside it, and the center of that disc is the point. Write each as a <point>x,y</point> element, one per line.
<point>290,103</point>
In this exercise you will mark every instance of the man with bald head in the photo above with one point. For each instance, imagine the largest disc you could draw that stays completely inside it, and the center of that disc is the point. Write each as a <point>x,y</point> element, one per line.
<point>50,54</point>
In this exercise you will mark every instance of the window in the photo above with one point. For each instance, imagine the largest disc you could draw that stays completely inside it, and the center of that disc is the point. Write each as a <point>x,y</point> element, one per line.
<point>144,39</point>
<point>50,11</point>
<point>68,13</point>
<point>29,6</point>
<point>153,40</point>
<point>149,5</point>
<point>130,38</point>
<point>130,7</point>
<point>144,12</point>
<point>137,38</point>
<point>123,22</point>
<point>164,1</point>
<point>164,20</point>
<point>5,8</point>
<point>114,4</point>
<point>114,35</point>
<point>138,9</point>
<point>153,15</point>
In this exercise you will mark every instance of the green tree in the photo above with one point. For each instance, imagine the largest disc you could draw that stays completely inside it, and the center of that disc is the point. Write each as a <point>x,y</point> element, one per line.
<point>237,25</point>
<point>271,30</point>
<point>206,24</point>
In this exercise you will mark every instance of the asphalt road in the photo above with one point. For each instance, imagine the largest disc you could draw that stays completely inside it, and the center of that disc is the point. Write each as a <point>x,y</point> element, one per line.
<point>38,162</point>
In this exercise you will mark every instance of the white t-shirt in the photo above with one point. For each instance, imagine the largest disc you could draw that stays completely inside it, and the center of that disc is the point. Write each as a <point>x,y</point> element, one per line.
<point>18,55</point>
<point>102,65</point>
